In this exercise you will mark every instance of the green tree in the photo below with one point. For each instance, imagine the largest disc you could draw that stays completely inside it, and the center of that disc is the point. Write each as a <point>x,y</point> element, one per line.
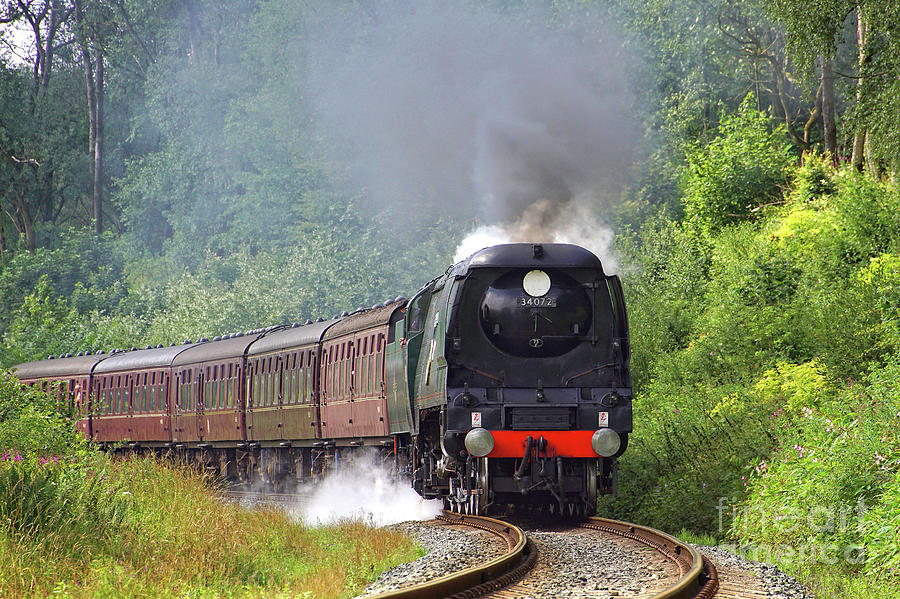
<point>740,171</point>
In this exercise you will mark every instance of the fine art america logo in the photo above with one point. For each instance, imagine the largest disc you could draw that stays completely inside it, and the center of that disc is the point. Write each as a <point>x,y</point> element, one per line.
<point>810,535</point>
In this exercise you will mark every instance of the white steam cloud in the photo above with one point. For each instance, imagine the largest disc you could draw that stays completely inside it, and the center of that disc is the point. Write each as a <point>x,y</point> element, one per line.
<point>365,490</point>
<point>578,225</point>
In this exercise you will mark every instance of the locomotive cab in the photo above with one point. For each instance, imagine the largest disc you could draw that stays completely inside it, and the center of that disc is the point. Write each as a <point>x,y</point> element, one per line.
<point>521,392</point>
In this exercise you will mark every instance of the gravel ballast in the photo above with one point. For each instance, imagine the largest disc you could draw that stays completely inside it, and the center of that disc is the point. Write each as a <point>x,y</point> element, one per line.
<point>571,564</point>
<point>740,577</point>
<point>578,563</point>
<point>448,549</point>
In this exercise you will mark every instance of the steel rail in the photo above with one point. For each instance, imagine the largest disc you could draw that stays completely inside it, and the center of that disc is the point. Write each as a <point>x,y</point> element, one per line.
<point>478,580</point>
<point>699,579</point>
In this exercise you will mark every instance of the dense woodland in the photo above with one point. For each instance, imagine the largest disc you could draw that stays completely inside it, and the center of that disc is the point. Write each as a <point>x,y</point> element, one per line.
<point>165,174</point>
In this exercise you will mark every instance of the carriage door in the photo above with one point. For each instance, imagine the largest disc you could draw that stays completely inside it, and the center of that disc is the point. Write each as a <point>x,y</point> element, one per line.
<point>202,397</point>
<point>180,401</point>
<point>281,363</point>
<point>250,398</point>
<point>129,406</point>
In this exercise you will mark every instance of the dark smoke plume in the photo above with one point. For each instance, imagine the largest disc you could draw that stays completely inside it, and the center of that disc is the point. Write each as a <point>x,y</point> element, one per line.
<point>451,109</point>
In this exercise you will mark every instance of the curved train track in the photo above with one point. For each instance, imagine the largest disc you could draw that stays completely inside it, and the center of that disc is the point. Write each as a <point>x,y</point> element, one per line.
<point>482,579</point>
<point>498,576</point>
<point>699,578</point>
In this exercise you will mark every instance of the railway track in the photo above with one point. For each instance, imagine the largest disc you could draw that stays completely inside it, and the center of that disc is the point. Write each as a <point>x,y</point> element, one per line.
<point>698,579</point>
<point>482,579</point>
<point>603,558</point>
<point>689,574</point>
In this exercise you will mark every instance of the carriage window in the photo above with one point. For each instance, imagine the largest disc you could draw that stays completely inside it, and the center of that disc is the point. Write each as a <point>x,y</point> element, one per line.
<point>273,387</point>
<point>185,392</point>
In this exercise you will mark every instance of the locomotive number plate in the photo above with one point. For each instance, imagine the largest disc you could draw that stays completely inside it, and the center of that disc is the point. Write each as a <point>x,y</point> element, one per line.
<point>536,302</point>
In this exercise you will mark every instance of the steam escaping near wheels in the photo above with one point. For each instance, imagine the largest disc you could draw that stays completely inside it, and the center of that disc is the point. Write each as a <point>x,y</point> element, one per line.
<point>363,489</point>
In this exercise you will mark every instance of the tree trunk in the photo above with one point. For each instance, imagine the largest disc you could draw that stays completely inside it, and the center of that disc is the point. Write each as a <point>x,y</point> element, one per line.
<point>97,195</point>
<point>872,165</point>
<point>779,104</point>
<point>830,129</point>
<point>47,55</point>
<point>92,122</point>
<point>813,116</point>
<point>859,138</point>
<point>93,82</point>
<point>24,222</point>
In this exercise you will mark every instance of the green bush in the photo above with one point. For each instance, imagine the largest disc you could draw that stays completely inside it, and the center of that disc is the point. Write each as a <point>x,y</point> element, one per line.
<point>31,422</point>
<point>829,490</point>
<point>766,365</point>
<point>743,168</point>
<point>53,487</point>
<point>691,446</point>
<point>79,258</point>
<point>48,325</point>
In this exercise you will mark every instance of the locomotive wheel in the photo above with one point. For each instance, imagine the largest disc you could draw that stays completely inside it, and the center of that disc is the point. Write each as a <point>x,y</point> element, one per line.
<point>477,503</point>
<point>590,476</point>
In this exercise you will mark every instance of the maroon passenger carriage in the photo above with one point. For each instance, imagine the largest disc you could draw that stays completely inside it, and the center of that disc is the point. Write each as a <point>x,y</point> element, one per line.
<point>274,405</point>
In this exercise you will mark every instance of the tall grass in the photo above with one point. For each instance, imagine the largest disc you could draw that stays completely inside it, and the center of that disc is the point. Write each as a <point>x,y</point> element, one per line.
<point>75,522</point>
<point>142,528</point>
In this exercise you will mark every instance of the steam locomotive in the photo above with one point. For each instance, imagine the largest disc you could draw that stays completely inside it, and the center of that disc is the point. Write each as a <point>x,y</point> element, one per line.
<point>503,381</point>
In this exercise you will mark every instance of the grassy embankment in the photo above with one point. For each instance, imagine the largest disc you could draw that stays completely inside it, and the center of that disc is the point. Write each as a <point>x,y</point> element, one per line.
<point>767,370</point>
<point>75,523</point>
